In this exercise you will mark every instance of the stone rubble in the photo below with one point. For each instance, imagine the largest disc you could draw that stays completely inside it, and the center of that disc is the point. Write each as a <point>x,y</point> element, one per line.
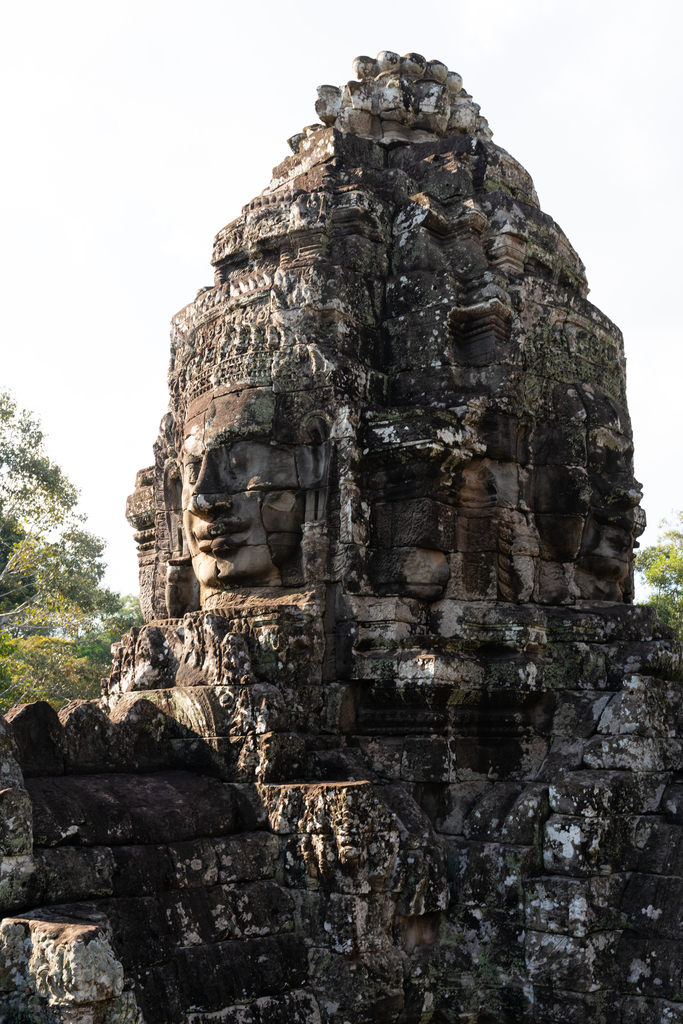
<point>393,745</point>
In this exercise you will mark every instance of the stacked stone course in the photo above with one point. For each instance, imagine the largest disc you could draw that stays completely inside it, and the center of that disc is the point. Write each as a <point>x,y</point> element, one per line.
<point>394,744</point>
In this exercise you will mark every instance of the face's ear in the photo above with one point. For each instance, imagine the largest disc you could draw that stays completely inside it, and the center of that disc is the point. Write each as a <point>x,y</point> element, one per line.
<point>313,465</point>
<point>182,588</point>
<point>315,429</point>
<point>167,429</point>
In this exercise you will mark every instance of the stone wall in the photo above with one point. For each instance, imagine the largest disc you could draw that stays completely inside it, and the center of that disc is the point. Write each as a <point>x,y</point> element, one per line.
<point>497,834</point>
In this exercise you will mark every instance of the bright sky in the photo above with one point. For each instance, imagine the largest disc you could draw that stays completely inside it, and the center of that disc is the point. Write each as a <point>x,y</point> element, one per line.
<point>134,130</point>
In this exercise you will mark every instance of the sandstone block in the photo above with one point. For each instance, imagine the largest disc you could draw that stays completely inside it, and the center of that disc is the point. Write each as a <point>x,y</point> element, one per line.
<point>574,906</point>
<point>493,874</point>
<point>60,959</point>
<point>649,966</point>
<point>258,968</point>
<point>585,964</point>
<point>90,738</point>
<point>75,873</point>
<point>123,809</point>
<point>633,753</point>
<point>583,846</point>
<point>39,738</point>
<point>16,823</point>
<point>651,1011</point>
<point>646,706</point>
<point>600,793</point>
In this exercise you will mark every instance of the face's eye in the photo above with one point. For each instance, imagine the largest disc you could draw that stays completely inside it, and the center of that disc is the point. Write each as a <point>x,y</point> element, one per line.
<point>192,471</point>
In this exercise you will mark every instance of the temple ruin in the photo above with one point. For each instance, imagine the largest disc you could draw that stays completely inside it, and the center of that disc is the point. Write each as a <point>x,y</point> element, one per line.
<point>394,745</point>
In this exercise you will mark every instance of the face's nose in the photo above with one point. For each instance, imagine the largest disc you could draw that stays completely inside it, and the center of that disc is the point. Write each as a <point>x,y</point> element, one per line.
<point>621,494</point>
<point>210,505</point>
<point>209,497</point>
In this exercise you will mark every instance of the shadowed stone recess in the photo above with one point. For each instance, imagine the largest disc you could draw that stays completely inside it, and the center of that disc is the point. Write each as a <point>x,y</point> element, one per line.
<point>394,744</point>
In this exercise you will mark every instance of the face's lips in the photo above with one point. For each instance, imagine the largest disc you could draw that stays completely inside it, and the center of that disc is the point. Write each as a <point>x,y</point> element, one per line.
<point>229,540</point>
<point>223,534</point>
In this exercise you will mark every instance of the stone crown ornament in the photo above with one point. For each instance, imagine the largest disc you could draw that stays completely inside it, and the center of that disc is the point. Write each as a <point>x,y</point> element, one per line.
<point>394,743</point>
<point>406,99</point>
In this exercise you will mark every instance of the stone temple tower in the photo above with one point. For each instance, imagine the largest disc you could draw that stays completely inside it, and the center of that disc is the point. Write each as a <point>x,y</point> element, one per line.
<point>394,743</point>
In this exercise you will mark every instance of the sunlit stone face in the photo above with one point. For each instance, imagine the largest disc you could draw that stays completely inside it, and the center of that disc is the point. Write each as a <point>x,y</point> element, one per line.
<point>242,504</point>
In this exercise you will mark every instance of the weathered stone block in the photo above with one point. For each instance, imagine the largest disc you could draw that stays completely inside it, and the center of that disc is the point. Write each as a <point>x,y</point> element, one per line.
<point>486,945</point>
<point>139,870</point>
<point>16,823</point>
<point>562,961</point>
<point>103,810</point>
<point>578,714</point>
<point>637,1010</point>
<point>427,760</point>
<point>281,757</point>
<point>20,883</point>
<point>563,1006</point>
<point>75,873</point>
<point>502,757</point>
<point>661,848</point>
<point>600,793</point>
<point>143,741</point>
<point>90,739</point>
<point>448,806</point>
<point>633,753</point>
<point>39,738</point>
<point>493,874</point>
<point>509,813</point>
<point>258,967</point>
<point>573,906</point>
<point>193,865</point>
<point>421,523</point>
<point>652,904</point>
<point>355,925</point>
<point>146,659</point>
<point>298,1007</point>
<point>420,880</point>
<point>650,966</point>
<point>363,989</point>
<point>646,706</point>
<point>564,755</point>
<point>245,858</point>
<point>583,846</point>
<point>134,946</point>
<point>61,959</point>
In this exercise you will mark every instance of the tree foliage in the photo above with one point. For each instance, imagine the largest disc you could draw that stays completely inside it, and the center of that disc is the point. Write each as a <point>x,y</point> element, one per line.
<point>57,620</point>
<point>661,567</point>
<point>37,665</point>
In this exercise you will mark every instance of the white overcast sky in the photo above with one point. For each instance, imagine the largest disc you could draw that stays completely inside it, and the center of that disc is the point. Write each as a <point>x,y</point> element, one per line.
<point>133,131</point>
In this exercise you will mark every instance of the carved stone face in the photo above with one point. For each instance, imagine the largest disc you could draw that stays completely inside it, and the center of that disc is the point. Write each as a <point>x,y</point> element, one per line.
<point>608,533</point>
<point>242,504</point>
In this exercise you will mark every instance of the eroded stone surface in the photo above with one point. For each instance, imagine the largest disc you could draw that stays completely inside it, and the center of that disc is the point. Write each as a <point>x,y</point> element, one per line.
<point>393,744</point>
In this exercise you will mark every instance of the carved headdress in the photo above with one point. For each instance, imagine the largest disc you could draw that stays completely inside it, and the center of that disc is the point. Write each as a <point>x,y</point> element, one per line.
<point>398,293</point>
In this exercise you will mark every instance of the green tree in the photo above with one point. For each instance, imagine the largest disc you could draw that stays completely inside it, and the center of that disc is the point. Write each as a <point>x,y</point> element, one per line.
<point>661,567</point>
<point>57,620</point>
<point>36,665</point>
